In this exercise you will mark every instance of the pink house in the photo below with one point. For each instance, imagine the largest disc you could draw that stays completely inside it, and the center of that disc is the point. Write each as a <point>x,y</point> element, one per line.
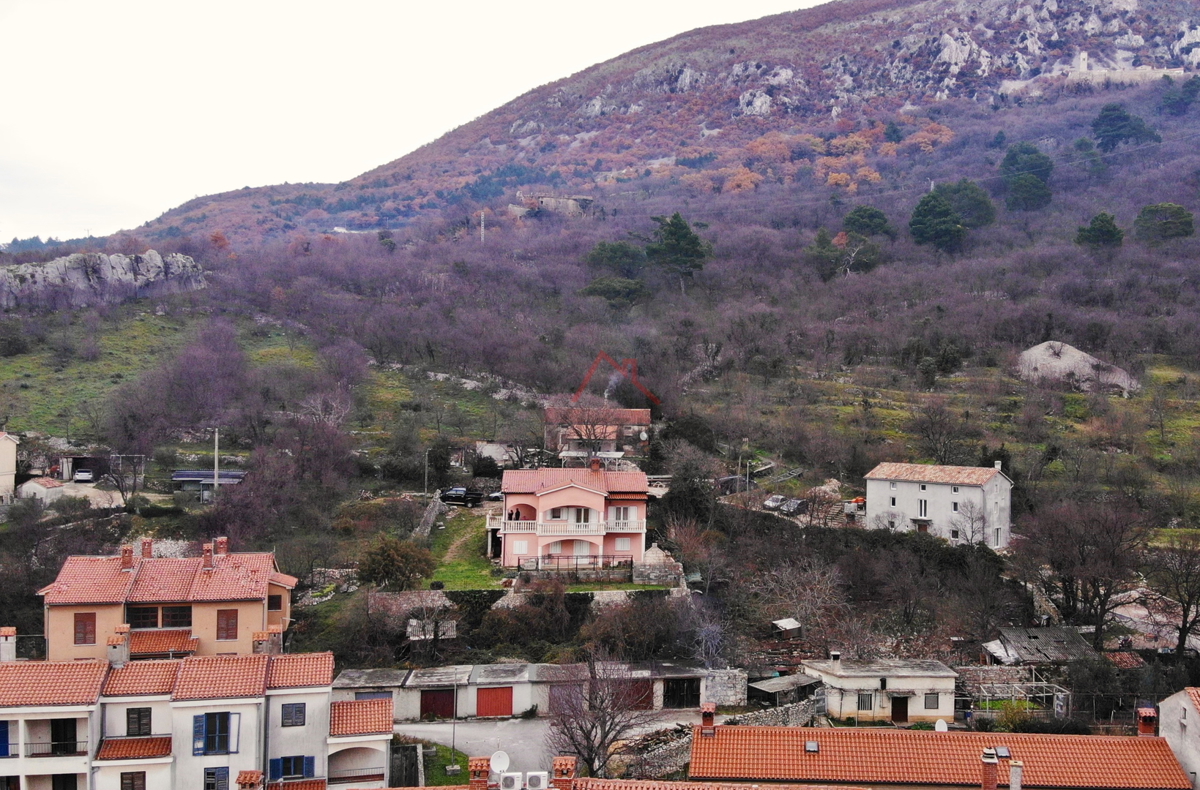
<point>569,518</point>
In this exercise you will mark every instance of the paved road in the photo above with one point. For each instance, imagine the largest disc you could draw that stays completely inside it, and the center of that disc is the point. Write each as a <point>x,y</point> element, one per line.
<point>523,739</point>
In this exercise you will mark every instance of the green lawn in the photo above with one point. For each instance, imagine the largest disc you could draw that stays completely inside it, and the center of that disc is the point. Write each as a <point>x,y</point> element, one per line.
<point>435,767</point>
<point>459,551</point>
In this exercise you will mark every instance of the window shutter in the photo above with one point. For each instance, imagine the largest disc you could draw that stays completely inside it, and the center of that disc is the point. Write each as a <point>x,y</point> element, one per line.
<point>198,733</point>
<point>285,718</point>
<point>310,767</point>
<point>222,778</point>
<point>276,768</point>
<point>235,732</point>
<point>3,739</point>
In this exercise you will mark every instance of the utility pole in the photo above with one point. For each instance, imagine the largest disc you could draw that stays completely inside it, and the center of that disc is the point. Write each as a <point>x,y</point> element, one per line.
<point>481,228</point>
<point>216,462</point>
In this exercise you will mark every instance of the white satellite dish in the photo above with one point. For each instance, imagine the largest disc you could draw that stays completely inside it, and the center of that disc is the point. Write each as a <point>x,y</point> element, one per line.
<point>500,761</point>
<point>940,726</point>
<point>645,436</point>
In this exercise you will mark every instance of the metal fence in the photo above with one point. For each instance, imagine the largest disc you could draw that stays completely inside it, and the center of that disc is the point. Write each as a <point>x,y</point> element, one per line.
<point>572,563</point>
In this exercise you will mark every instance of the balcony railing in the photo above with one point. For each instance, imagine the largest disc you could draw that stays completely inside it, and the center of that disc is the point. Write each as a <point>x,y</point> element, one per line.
<point>564,528</point>
<point>568,563</point>
<point>56,749</point>
<point>356,775</point>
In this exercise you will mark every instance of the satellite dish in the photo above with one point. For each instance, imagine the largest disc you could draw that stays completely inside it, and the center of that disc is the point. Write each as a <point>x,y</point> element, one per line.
<point>940,726</point>
<point>645,436</point>
<point>500,761</point>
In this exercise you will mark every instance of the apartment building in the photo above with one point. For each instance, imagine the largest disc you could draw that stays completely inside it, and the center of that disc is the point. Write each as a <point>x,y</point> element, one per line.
<point>174,606</point>
<point>196,723</point>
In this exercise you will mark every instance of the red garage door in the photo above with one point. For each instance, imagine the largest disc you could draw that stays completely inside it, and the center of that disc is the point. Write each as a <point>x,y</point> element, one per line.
<point>641,694</point>
<point>494,701</point>
<point>437,704</point>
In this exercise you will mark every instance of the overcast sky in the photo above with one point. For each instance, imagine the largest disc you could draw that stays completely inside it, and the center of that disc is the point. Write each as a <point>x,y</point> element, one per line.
<point>117,110</point>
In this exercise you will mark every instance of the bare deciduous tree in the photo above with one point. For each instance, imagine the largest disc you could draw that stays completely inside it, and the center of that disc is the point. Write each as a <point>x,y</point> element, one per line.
<point>1173,578</point>
<point>971,522</point>
<point>809,590</point>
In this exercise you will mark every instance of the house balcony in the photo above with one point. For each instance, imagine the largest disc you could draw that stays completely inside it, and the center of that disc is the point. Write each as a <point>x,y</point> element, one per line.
<point>356,775</point>
<point>56,749</point>
<point>563,528</point>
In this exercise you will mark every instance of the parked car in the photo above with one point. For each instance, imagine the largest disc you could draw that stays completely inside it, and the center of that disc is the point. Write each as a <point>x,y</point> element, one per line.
<point>496,496</point>
<point>774,502</point>
<point>84,476</point>
<point>462,496</point>
<point>794,507</point>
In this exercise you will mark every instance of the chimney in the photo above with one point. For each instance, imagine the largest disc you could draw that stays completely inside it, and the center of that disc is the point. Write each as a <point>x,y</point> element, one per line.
<point>708,720</point>
<point>835,657</point>
<point>249,780</point>
<point>208,554</point>
<point>147,548</point>
<point>991,769</point>
<point>594,464</point>
<point>565,770</point>
<point>8,643</point>
<point>999,466</point>
<point>1016,770</point>
<point>126,558</point>
<point>118,647</point>
<point>478,768</point>
<point>270,641</point>
<point>221,545</point>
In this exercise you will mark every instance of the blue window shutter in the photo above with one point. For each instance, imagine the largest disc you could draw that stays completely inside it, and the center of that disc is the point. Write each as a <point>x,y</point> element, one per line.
<point>276,768</point>
<point>198,733</point>
<point>3,739</point>
<point>223,778</point>
<point>310,767</point>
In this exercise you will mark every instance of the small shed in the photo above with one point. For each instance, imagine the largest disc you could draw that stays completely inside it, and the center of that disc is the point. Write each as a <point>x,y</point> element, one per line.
<point>787,628</point>
<point>200,481</point>
<point>1035,646</point>
<point>359,684</point>
<point>783,690</point>
<point>46,489</point>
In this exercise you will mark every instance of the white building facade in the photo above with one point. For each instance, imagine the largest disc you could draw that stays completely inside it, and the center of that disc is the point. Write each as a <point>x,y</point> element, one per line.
<point>897,690</point>
<point>962,504</point>
<point>1179,725</point>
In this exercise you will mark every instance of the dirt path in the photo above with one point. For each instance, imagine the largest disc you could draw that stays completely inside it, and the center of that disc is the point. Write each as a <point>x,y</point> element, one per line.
<point>457,549</point>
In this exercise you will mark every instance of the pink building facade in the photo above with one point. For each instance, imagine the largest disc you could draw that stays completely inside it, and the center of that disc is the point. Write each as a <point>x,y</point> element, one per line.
<point>570,518</point>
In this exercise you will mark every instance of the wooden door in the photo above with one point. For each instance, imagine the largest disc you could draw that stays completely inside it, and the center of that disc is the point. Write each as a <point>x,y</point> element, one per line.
<point>641,694</point>
<point>437,704</point>
<point>681,693</point>
<point>900,709</point>
<point>496,701</point>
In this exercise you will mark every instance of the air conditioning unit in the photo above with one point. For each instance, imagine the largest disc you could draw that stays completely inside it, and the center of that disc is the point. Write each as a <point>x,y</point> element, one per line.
<point>537,780</point>
<point>510,781</point>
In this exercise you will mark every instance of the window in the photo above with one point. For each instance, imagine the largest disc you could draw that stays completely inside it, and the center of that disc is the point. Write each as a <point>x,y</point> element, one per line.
<point>999,532</point>
<point>137,721</point>
<point>954,489</point>
<point>227,625</point>
<point>583,515</point>
<point>954,534</point>
<point>216,778</point>
<point>618,514</point>
<point>892,486</point>
<point>922,508</point>
<point>177,617</point>
<point>293,714</point>
<point>520,547</point>
<point>865,700</point>
<point>556,513</point>
<point>215,733</point>
<point>294,767</point>
<point>954,507</point>
<point>6,748</point>
<point>622,544</point>
<point>274,603</point>
<point>64,782</point>
<point>923,487</point>
<point>893,502</point>
<point>142,616</point>
<point>133,780</point>
<point>372,695</point>
<point>85,628</point>
<point>891,523</point>
<point>931,702</point>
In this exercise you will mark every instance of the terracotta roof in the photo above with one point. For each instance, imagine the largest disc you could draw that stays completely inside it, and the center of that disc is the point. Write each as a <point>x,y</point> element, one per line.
<point>142,677</point>
<point>587,783</point>
<point>535,481</point>
<point>25,683</point>
<point>302,784</point>
<point>360,717</point>
<point>233,577</point>
<point>300,669</point>
<point>170,640</point>
<point>1125,659</point>
<point>134,748</point>
<point>902,757</point>
<point>221,677</point>
<point>928,473</point>
<point>566,414</point>
<point>45,482</point>
<point>1194,695</point>
<point>89,580</point>
<point>248,778</point>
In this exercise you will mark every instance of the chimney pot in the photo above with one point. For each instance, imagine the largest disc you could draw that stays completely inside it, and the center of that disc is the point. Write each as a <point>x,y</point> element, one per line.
<point>1016,772</point>
<point>479,768</point>
<point>594,464</point>
<point>147,548</point>
<point>208,556</point>
<point>8,644</point>
<point>835,657</point>
<point>708,720</point>
<point>126,557</point>
<point>118,647</point>
<point>991,770</point>
<point>221,546</point>
<point>564,772</point>
<point>999,465</point>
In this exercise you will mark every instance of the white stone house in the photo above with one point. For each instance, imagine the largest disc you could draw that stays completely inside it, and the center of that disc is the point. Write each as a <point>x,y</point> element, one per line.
<point>887,689</point>
<point>46,489</point>
<point>8,466</point>
<point>962,504</point>
<point>1179,724</point>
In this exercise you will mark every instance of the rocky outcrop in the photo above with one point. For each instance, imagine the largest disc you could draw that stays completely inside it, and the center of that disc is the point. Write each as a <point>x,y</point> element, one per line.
<point>86,279</point>
<point>1064,364</point>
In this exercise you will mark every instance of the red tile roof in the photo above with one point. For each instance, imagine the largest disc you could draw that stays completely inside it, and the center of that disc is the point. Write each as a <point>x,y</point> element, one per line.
<point>99,580</point>
<point>1125,659</point>
<point>360,717</point>
<point>134,748</point>
<point>170,640</point>
<point>142,677</point>
<point>248,778</point>
<point>927,473</point>
<point>903,757</point>
<point>587,783</point>
<point>1194,695</point>
<point>221,677</point>
<point>535,481</point>
<point>301,784</point>
<point>296,670</point>
<point>25,683</point>
<point>565,414</point>
<point>46,482</point>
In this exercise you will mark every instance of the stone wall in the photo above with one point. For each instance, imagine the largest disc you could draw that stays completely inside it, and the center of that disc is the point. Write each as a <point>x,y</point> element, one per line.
<point>799,714</point>
<point>725,687</point>
<point>669,574</point>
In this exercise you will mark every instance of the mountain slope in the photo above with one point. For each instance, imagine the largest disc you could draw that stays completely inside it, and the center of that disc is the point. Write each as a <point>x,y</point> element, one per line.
<point>695,102</point>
